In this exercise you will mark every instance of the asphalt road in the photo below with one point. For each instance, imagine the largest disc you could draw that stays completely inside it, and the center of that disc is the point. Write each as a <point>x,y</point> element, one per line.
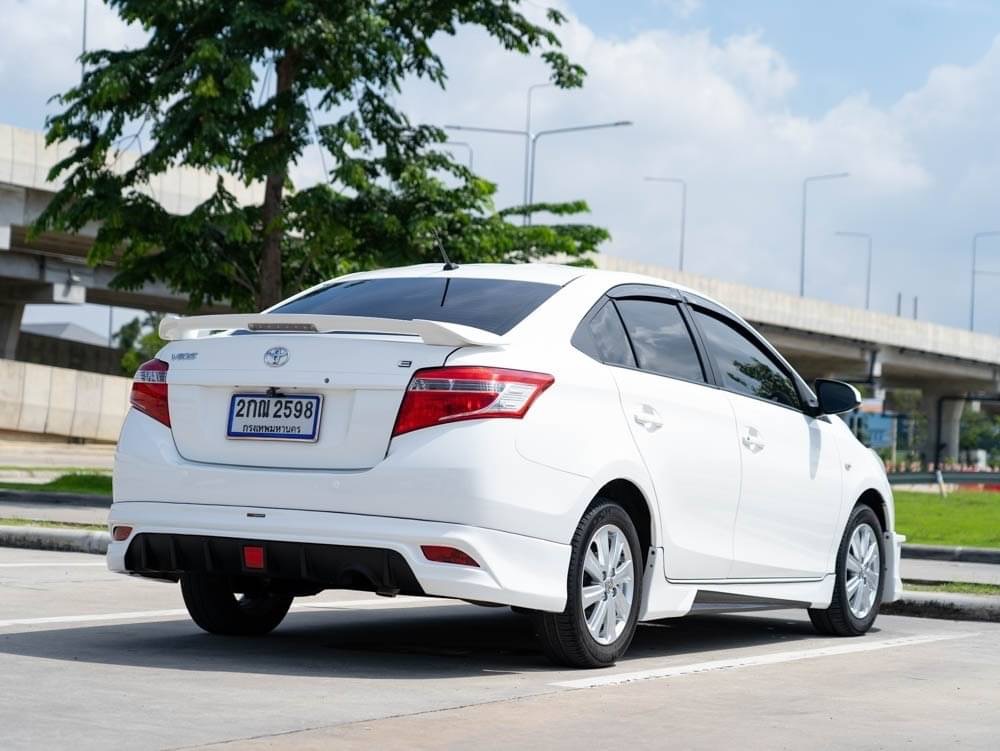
<point>93,660</point>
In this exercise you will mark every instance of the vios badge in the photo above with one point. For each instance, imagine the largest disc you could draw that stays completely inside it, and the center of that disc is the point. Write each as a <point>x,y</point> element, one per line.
<point>276,357</point>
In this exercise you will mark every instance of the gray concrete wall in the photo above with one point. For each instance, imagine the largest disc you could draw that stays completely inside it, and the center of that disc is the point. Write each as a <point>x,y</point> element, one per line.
<point>61,402</point>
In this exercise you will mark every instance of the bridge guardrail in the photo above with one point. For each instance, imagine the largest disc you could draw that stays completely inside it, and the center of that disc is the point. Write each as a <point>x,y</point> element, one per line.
<point>948,478</point>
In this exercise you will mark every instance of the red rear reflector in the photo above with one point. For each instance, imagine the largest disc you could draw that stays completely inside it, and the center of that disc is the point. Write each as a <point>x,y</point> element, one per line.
<point>444,554</point>
<point>442,395</point>
<point>149,391</point>
<point>253,556</point>
<point>121,533</point>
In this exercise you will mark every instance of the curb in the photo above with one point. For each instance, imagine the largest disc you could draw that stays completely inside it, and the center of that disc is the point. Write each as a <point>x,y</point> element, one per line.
<point>945,553</point>
<point>49,538</point>
<point>56,499</point>
<point>953,607</point>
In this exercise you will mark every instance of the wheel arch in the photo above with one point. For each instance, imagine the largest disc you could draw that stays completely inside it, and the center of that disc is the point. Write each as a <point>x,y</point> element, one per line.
<point>874,500</point>
<point>631,498</point>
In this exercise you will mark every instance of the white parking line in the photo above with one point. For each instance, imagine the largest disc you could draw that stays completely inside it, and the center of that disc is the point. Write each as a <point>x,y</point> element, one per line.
<point>408,602</point>
<point>775,658</point>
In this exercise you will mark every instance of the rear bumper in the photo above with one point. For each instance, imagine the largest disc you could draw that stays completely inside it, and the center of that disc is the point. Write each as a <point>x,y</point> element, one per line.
<point>513,569</point>
<point>467,474</point>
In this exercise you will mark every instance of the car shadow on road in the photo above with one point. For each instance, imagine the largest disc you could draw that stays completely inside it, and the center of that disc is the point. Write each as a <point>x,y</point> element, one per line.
<point>405,643</point>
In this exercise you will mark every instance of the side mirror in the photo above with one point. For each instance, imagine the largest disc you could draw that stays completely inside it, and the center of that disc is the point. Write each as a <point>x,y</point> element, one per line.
<point>836,397</point>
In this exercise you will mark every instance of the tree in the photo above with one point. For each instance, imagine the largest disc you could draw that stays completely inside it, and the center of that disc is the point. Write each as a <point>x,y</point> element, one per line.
<point>139,341</point>
<point>192,89</point>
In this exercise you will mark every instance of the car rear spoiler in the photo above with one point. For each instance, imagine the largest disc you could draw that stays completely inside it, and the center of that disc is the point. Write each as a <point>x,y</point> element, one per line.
<point>431,332</point>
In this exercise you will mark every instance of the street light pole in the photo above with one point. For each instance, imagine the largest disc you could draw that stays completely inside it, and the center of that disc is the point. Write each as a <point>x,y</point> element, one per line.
<point>527,141</point>
<point>556,131</point>
<point>83,66</point>
<point>683,184</point>
<point>972,297</point>
<point>805,195</point>
<point>868,283</point>
<point>465,145</point>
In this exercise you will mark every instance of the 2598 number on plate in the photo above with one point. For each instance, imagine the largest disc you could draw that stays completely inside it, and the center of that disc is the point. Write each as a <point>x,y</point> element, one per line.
<point>293,417</point>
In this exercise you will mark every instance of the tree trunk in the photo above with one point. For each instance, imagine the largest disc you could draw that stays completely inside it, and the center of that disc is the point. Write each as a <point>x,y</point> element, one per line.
<point>269,285</point>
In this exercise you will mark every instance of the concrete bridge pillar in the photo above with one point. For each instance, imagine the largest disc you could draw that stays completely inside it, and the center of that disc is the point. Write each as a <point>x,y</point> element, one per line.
<point>10,328</point>
<point>946,408</point>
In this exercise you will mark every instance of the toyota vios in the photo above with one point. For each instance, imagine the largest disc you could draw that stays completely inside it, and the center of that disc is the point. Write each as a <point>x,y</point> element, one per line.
<point>594,448</point>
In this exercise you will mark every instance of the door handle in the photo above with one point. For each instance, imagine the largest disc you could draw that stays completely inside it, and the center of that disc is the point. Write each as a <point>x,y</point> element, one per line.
<point>753,440</point>
<point>648,418</point>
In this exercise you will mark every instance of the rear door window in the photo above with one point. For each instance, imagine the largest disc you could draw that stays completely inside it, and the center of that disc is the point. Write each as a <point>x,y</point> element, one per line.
<point>661,339</point>
<point>495,305</point>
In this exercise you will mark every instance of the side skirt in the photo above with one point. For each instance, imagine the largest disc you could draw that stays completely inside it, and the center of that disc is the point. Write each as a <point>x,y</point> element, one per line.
<point>665,599</point>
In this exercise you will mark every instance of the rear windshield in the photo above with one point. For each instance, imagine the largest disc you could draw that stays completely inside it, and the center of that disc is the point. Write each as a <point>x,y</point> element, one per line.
<point>495,305</point>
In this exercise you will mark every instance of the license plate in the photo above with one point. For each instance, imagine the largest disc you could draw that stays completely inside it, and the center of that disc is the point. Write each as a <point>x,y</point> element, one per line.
<point>284,417</point>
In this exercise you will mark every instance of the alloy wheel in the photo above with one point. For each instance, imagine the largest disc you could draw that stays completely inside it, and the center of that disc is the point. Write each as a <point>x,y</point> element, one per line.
<point>864,571</point>
<point>608,584</point>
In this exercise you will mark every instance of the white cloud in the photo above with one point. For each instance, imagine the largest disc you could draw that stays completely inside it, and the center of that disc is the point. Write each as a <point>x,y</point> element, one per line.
<point>681,8</point>
<point>39,57</point>
<point>716,112</point>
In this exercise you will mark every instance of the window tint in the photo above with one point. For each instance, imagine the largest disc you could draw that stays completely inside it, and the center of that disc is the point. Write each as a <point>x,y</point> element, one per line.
<point>495,305</point>
<point>743,365</point>
<point>661,339</point>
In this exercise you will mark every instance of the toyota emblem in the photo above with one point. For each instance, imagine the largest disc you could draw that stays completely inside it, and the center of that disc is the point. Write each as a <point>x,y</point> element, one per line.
<point>276,357</point>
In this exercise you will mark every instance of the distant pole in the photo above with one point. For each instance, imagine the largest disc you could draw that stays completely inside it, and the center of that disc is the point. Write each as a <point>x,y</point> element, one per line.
<point>972,296</point>
<point>899,303</point>
<point>915,298</point>
<point>868,282</point>
<point>683,184</point>
<point>528,142</point>
<point>83,67</point>
<point>805,197</point>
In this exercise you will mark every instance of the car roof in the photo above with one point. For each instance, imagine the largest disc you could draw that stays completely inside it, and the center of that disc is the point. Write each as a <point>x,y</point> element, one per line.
<point>546,273</point>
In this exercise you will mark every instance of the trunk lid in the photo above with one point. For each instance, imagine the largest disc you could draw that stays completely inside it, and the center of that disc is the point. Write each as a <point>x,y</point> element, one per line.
<point>360,377</point>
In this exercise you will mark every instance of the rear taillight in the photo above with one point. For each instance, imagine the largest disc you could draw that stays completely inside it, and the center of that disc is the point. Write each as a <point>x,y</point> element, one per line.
<point>442,395</point>
<point>149,391</point>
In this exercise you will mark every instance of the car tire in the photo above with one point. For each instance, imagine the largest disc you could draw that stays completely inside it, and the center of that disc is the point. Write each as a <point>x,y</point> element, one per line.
<point>215,608</point>
<point>585,634</point>
<point>856,597</point>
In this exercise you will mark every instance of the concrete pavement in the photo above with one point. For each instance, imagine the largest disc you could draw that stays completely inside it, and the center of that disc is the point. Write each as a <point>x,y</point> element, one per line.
<point>54,455</point>
<point>96,660</point>
<point>950,571</point>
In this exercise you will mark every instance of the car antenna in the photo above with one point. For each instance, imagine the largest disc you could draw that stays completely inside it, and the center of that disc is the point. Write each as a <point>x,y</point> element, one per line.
<point>448,265</point>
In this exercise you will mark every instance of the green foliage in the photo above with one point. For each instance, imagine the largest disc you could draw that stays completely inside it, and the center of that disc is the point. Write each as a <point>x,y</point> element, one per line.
<point>76,482</point>
<point>192,92</point>
<point>140,341</point>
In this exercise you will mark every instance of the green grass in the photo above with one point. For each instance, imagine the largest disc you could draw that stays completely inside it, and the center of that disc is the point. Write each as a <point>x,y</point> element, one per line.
<point>18,522</point>
<point>79,482</point>
<point>965,588</point>
<point>966,517</point>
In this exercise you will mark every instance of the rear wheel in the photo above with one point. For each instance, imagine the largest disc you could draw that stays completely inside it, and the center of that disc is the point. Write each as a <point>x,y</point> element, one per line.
<point>603,592</point>
<point>214,606</point>
<point>857,591</point>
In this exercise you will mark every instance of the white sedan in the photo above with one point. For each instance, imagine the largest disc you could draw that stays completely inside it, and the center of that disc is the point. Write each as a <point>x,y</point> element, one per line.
<point>594,448</point>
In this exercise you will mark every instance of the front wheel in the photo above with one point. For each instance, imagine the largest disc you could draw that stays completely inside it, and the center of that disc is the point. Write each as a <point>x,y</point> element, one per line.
<point>603,592</point>
<point>857,591</point>
<point>214,606</point>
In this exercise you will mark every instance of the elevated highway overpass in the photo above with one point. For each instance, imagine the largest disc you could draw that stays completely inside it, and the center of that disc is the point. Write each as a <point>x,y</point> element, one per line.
<point>827,340</point>
<point>822,339</point>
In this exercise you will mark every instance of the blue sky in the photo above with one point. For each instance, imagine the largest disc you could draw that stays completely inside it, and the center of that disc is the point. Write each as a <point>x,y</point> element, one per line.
<point>742,98</point>
<point>838,47</point>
